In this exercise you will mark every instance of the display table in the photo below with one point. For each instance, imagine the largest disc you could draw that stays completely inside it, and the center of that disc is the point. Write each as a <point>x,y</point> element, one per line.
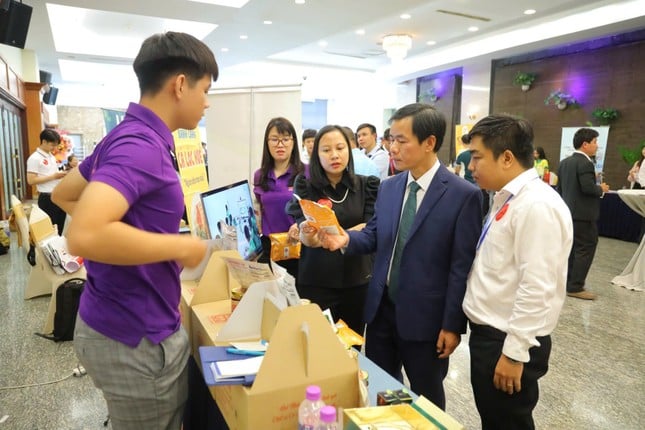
<point>633,277</point>
<point>617,220</point>
<point>202,411</point>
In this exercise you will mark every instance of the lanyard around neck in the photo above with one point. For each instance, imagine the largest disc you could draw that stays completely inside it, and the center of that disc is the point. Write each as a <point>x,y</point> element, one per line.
<point>490,218</point>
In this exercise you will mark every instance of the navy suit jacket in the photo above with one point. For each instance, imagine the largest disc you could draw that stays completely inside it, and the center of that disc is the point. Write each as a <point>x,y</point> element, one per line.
<point>436,259</point>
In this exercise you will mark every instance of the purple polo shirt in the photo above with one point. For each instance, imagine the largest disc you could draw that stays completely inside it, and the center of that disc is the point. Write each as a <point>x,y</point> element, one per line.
<point>274,200</point>
<point>128,303</point>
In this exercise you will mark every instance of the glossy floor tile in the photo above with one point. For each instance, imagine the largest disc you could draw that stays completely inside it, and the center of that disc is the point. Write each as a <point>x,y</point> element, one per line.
<point>596,377</point>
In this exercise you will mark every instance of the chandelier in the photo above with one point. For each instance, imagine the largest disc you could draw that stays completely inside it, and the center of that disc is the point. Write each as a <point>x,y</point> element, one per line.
<point>396,46</point>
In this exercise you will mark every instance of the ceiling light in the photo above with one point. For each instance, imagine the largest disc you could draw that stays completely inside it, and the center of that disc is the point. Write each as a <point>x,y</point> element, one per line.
<point>473,28</point>
<point>224,49</point>
<point>431,42</point>
<point>529,11</point>
<point>396,46</point>
<point>322,43</point>
<point>405,16</point>
<point>243,36</point>
<point>300,1</point>
<point>360,32</point>
<point>230,3</point>
<point>267,22</point>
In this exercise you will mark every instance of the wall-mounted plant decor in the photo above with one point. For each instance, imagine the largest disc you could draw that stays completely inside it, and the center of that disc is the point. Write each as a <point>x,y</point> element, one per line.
<point>524,80</point>
<point>561,100</point>
<point>605,115</point>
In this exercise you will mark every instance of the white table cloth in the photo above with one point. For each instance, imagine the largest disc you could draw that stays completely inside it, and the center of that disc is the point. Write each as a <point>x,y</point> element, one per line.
<point>633,277</point>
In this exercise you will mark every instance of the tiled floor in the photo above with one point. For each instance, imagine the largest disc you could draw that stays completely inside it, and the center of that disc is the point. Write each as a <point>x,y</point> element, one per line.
<point>595,380</point>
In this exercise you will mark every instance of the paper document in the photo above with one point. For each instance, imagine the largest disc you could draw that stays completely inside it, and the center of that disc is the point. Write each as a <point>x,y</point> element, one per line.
<point>236,368</point>
<point>248,272</point>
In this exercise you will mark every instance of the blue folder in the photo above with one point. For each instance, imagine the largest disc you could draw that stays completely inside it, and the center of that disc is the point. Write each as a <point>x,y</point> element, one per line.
<point>210,354</point>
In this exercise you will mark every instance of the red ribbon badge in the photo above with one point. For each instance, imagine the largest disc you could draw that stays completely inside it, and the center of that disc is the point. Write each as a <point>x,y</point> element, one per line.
<point>45,162</point>
<point>325,202</point>
<point>501,212</point>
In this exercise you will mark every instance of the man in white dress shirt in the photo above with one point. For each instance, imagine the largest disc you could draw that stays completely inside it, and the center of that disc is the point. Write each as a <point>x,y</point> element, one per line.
<point>517,285</point>
<point>366,137</point>
<point>43,172</point>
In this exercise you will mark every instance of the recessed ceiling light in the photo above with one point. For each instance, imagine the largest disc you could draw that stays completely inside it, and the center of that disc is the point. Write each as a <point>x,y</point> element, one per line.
<point>243,36</point>
<point>431,42</point>
<point>322,43</point>
<point>360,32</point>
<point>300,1</point>
<point>529,11</point>
<point>267,22</point>
<point>230,3</point>
<point>224,49</point>
<point>406,16</point>
<point>473,28</point>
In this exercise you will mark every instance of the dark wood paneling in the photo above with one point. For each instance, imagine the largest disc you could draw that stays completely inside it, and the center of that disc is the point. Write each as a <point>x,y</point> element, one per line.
<point>611,76</point>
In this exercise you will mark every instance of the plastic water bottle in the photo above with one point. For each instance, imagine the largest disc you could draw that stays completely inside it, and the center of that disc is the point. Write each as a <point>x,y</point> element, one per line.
<point>309,410</point>
<point>328,419</point>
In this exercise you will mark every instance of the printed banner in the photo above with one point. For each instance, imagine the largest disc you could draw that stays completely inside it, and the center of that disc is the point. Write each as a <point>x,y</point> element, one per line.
<point>192,170</point>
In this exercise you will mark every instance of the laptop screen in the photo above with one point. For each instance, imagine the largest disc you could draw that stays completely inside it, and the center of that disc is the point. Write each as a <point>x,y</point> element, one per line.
<point>229,215</point>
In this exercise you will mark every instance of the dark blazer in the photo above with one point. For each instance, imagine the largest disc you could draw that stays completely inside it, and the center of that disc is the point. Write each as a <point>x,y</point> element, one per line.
<point>578,188</point>
<point>436,259</point>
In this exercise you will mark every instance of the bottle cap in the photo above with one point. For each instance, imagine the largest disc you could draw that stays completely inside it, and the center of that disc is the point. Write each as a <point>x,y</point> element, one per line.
<point>328,414</point>
<point>312,392</point>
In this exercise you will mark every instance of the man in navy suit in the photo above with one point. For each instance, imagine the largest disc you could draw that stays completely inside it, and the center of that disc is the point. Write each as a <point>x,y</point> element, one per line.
<point>413,309</point>
<point>577,185</point>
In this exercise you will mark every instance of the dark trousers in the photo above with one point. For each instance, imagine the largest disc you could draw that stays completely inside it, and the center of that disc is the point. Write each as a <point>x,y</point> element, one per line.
<point>346,303</point>
<point>56,214</point>
<point>585,239</point>
<point>497,409</point>
<point>388,350</point>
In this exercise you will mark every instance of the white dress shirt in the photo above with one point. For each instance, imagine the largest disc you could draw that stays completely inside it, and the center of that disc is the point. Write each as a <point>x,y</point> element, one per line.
<point>518,280</point>
<point>381,158</point>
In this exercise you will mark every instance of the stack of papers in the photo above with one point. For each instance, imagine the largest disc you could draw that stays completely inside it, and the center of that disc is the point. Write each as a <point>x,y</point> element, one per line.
<point>225,370</point>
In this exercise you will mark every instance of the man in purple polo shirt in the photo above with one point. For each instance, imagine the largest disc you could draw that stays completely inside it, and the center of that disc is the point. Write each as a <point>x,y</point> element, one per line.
<point>126,202</point>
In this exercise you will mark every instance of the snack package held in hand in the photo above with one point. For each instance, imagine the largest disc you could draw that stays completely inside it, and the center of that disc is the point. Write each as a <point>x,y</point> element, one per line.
<point>320,217</point>
<point>348,336</point>
<point>283,248</point>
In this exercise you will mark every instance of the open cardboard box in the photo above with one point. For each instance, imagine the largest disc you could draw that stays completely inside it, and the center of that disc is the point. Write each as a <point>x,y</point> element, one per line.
<point>40,225</point>
<point>252,313</point>
<point>303,350</point>
<point>214,285</point>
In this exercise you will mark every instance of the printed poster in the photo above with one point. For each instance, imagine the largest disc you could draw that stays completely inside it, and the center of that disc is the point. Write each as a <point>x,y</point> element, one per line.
<point>192,172</point>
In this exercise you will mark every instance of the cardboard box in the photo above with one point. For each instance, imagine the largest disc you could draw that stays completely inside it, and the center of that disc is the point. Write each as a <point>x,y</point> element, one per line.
<point>303,350</point>
<point>207,319</point>
<point>40,225</point>
<point>422,415</point>
<point>214,285</point>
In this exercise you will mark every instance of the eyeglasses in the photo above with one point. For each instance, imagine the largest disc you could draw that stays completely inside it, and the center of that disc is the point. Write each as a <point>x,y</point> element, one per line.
<point>275,141</point>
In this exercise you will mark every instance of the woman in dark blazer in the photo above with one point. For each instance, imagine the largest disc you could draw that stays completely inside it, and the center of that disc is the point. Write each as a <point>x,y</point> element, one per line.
<point>331,279</point>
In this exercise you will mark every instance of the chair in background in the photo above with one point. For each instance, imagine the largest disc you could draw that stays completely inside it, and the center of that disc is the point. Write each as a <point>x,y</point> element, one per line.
<point>21,222</point>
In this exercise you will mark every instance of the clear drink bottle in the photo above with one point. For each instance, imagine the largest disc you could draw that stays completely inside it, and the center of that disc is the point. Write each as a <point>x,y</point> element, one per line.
<point>309,410</point>
<point>328,419</point>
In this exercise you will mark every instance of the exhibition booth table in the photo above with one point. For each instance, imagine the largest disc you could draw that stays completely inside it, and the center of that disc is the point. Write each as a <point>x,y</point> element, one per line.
<point>617,220</point>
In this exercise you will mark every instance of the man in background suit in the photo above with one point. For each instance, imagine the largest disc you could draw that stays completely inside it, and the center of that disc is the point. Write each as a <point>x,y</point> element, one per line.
<point>577,186</point>
<point>413,309</point>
